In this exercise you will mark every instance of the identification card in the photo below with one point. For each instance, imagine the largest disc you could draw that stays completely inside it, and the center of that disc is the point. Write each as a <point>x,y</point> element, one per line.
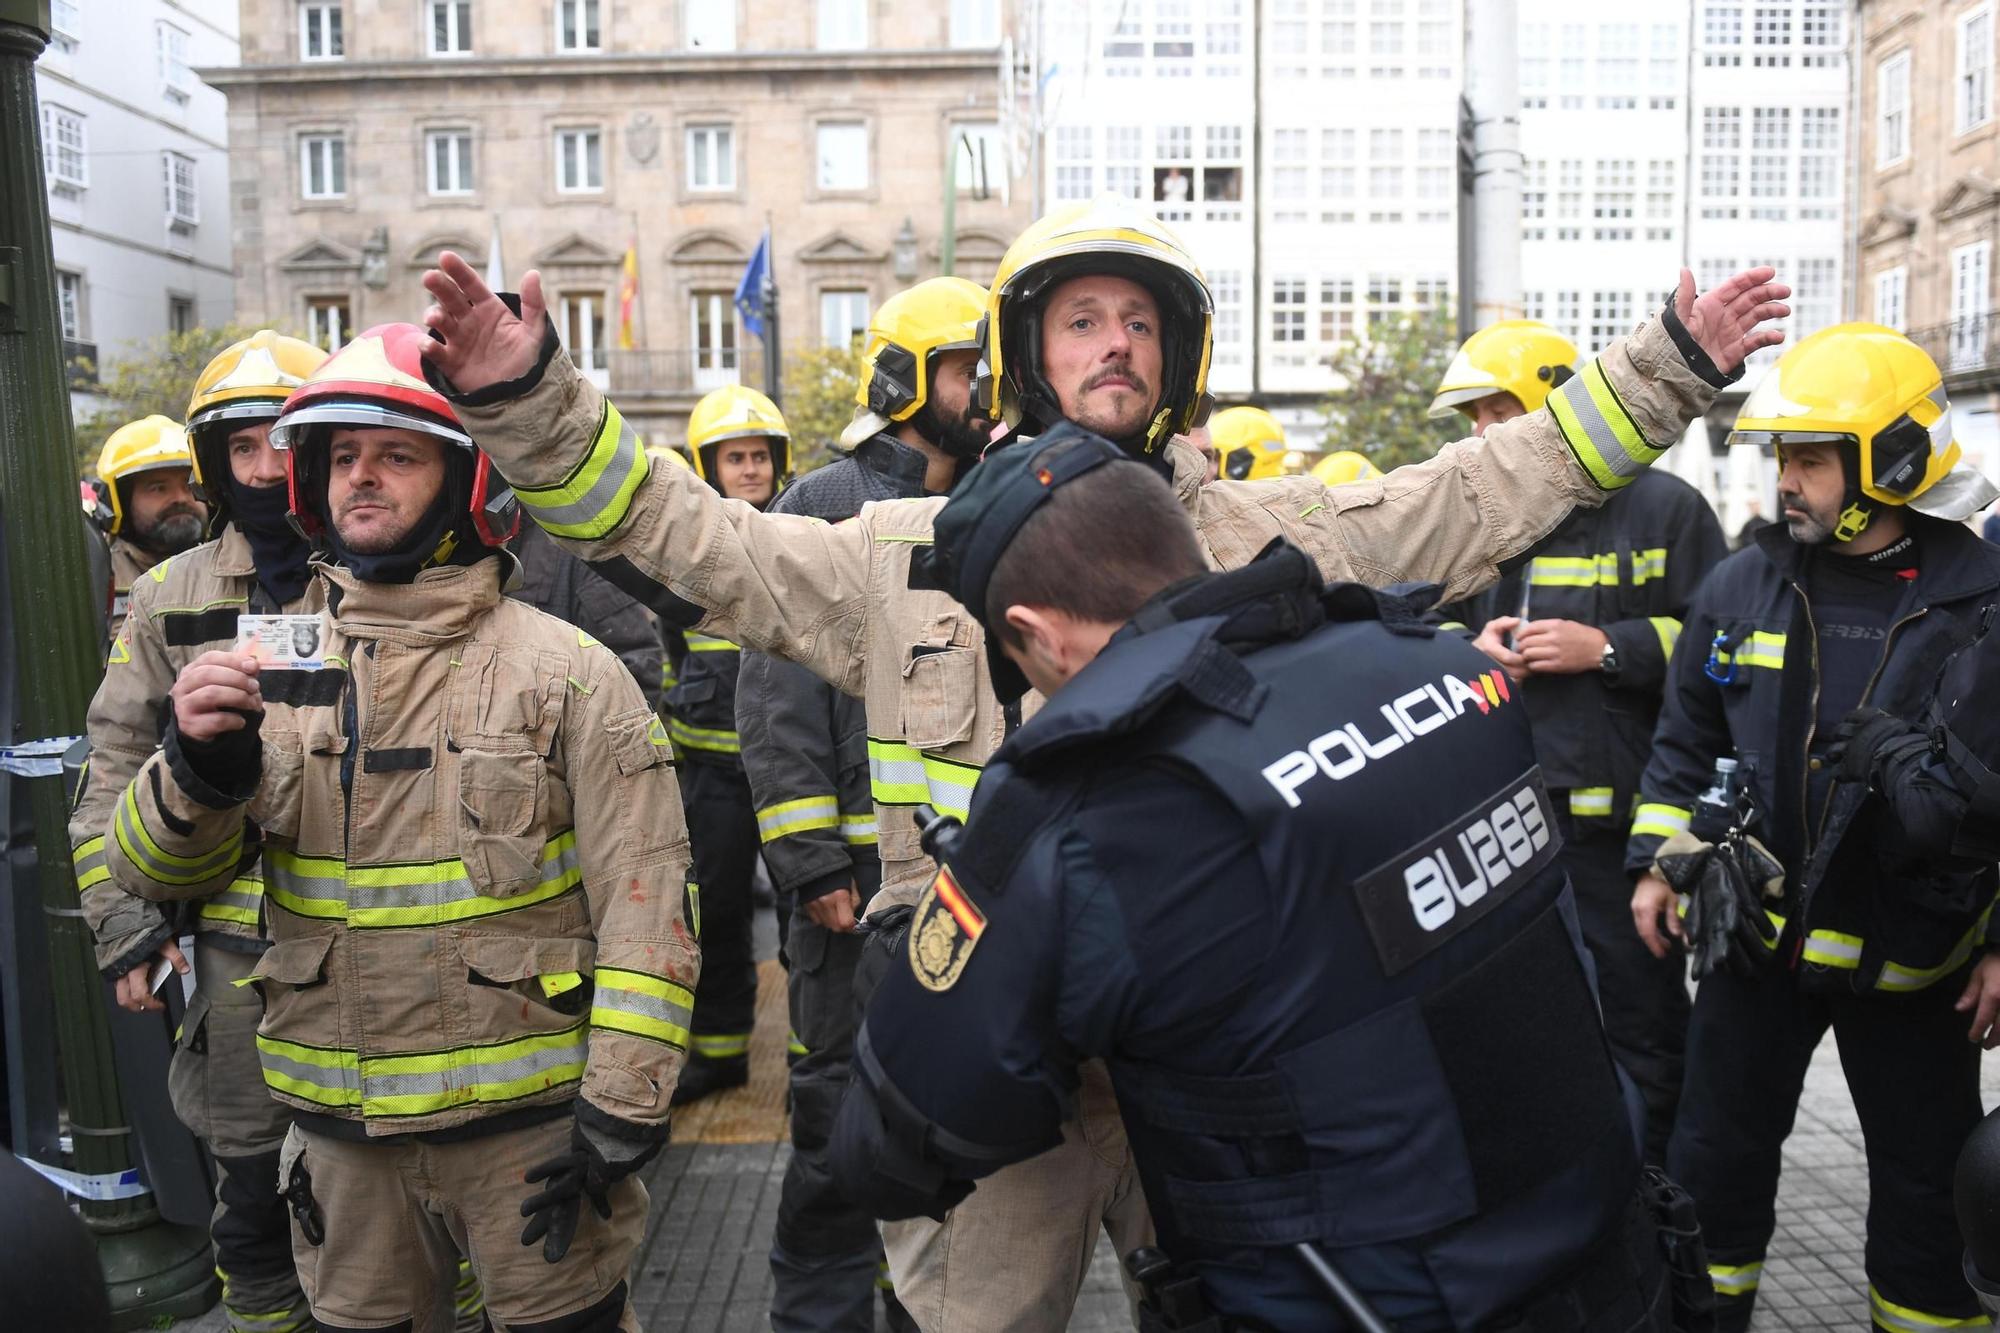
<point>293,643</point>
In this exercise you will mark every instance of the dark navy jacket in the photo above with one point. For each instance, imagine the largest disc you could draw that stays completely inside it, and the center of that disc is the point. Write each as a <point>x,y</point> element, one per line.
<point>1868,906</point>
<point>1294,878</point>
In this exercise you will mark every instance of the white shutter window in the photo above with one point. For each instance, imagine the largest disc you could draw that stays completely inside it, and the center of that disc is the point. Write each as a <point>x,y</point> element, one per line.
<point>63,148</point>
<point>1971,276</point>
<point>171,46</point>
<point>843,155</point>
<point>320,36</point>
<point>448,161</point>
<point>1892,109</point>
<point>451,27</point>
<point>580,161</point>
<point>323,166</point>
<point>577,28</point>
<point>1973,84</point>
<point>842,25</point>
<point>711,157</point>
<point>177,180</point>
<point>1891,289</point>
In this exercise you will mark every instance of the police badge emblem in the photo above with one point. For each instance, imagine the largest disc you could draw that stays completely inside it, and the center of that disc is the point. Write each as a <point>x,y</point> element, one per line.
<point>942,936</point>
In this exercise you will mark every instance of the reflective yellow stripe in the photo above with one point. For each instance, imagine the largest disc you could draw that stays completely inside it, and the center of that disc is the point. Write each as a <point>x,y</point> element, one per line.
<point>594,499</point>
<point>642,1005</point>
<point>468,1298</point>
<point>1660,820</point>
<point>1573,571</point>
<point>88,862</point>
<point>241,904</point>
<point>326,1075</point>
<point>1896,977</point>
<point>793,1046</point>
<point>714,740</point>
<point>721,1045</point>
<point>424,1084</point>
<point>1649,565</point>
<point>803,815</point>
<point>900,774</point>
<point>386,897</point>
<point>1599,431</point>
<point>858,829</point>
<point>1830,948</point>
<point>162,866</point>
<point>1761,649</point>
<point>1735,1281</point>
<point>1887,1314</point>
<point>708,643</point>
<point>1669,631</point>
<point>1590,802</point>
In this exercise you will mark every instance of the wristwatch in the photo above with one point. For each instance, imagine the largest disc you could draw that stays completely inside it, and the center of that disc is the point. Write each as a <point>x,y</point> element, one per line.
<point>1608,661</point>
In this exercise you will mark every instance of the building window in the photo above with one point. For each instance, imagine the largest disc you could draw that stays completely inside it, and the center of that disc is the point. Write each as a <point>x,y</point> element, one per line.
<point>580,321</point>
<point>1819,26</point>
<point>69,304</point>
<point>448,159</point>
<point>451,27</point>
<point>64,152</point>
<point>979,161</point>
<point>712,334</point>
<point>177,180</point>
<point>65,24</point>
<point>1974,83</point>
<point>1288,310</point>
<point>1123,147</point>
<point>975,23</point>
<point>842,25</point>
<point>323,166</point>
<point>843,317</point>
<point>711,24</point>
<point>1610,317</point>
<point>180,314</point>
<point>171,47</point>
<point>327,321</point>
<point>1971,304</point>
<point>711,157</point>
<point>319,32</point>
<point>1073,169</point>
<point>843,155</point>
<point>580,161</point>
<point>1892,288</point>
<point>1819,161</point>
<point>1336,309</point>
<point>577,27</point>
<point>1892,109</point>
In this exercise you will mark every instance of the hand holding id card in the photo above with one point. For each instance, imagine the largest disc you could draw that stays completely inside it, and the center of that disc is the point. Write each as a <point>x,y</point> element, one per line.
<point>283,643</point>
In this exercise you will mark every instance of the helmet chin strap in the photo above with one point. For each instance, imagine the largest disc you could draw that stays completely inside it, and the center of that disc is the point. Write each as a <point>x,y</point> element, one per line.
<point>1853,520</point>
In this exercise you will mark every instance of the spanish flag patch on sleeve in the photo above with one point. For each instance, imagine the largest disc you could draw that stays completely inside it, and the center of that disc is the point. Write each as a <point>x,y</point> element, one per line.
<point>942,935</point>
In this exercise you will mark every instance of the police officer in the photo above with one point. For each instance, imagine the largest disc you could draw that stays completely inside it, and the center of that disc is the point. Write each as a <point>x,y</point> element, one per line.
<point>1585,630</point>
<point>805,752</point>
<point>1869,595</point>
<point>478,991</point>
<point>1344,1005</point>
<point>741,447</point>
<point>1098,314</point>
<point>146,508</point>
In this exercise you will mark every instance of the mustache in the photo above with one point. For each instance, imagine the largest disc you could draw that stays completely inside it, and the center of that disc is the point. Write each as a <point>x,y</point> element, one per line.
<point>1121,371</point>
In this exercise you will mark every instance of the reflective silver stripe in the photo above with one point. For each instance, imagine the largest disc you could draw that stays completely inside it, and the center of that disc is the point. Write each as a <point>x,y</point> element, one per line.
<point>336,1075</point>
<point>467,1077</point>
<point>641,1005</point>
<point>136,842</point>
<point>948,793</point>
<point>584,514</point>
<point>858,828</point>
<point>898,775</point>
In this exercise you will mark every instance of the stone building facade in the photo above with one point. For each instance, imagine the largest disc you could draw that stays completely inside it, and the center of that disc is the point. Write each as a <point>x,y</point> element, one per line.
<point>1927,169</point>
<point>366,135</point>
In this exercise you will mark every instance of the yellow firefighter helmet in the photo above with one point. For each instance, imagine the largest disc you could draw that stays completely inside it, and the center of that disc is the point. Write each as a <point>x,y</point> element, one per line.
<point>1524,357</point>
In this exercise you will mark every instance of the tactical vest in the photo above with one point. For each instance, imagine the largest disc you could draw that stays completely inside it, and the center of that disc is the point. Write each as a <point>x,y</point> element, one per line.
<point>1423,1073</point>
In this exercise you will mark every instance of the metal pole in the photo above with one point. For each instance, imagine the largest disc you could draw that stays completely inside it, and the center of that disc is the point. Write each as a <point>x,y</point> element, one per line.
<point>948,240</point>
<point>1354,1307</point>
<point>1493,91</point>
<point>153,1269</point>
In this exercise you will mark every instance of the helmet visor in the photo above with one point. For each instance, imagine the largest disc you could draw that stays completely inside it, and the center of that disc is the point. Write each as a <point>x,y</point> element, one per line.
<point>1787,439</point>
<point>364,416</point>
<point>239,409</point>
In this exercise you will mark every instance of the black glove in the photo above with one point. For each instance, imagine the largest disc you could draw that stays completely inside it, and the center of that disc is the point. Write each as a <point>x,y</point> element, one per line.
<point>1728,929</point>
<point>1867,737</point>
<point>603,1150</point>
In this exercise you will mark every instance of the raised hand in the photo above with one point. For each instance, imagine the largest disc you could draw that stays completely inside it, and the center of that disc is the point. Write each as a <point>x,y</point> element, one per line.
<point>1725,319</point>
<point>485,343</point>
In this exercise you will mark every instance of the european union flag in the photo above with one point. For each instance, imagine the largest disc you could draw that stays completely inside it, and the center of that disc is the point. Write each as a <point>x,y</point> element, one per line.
<point>753,289</point>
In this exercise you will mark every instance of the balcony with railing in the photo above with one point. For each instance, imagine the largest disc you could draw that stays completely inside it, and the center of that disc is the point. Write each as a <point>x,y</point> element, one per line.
<point>683,372</point>
<point>1966,350</point>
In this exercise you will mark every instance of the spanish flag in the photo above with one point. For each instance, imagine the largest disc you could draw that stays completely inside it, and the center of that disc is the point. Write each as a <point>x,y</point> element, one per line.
<point>628,294</point>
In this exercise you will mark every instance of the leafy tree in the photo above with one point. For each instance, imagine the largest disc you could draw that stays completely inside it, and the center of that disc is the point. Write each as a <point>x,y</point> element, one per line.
<point>1387,386</point>
<point>156,378</point>
<point>819,384</point>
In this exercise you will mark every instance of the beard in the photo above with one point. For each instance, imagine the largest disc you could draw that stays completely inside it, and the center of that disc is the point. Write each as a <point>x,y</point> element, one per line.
<point>1126,428</point>
<point>1809,527</point>
<point>380,536</point>
<point>172,530</point>
<point>959,435</point>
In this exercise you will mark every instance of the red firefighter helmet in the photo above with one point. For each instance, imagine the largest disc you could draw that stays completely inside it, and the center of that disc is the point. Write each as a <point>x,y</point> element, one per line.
<point>377,381</point>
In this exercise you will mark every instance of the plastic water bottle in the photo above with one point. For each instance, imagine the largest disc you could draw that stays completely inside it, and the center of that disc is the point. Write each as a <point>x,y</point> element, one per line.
<point>1715,809</point>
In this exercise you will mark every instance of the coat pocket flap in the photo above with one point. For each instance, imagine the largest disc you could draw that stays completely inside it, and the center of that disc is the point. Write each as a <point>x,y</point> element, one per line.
<point>300,962</point>
<point>512,958</point>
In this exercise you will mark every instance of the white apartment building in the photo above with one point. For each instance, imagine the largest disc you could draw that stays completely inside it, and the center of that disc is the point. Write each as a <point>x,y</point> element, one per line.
<point>128,128</point>
<point>1309,166</point>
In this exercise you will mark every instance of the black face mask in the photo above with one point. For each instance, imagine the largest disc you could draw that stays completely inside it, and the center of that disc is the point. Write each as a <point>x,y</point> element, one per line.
<point>443,536</point>
<point>277,551</point>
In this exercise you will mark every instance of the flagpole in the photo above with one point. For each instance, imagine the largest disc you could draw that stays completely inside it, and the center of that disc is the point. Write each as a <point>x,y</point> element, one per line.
<point>770,305</point>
